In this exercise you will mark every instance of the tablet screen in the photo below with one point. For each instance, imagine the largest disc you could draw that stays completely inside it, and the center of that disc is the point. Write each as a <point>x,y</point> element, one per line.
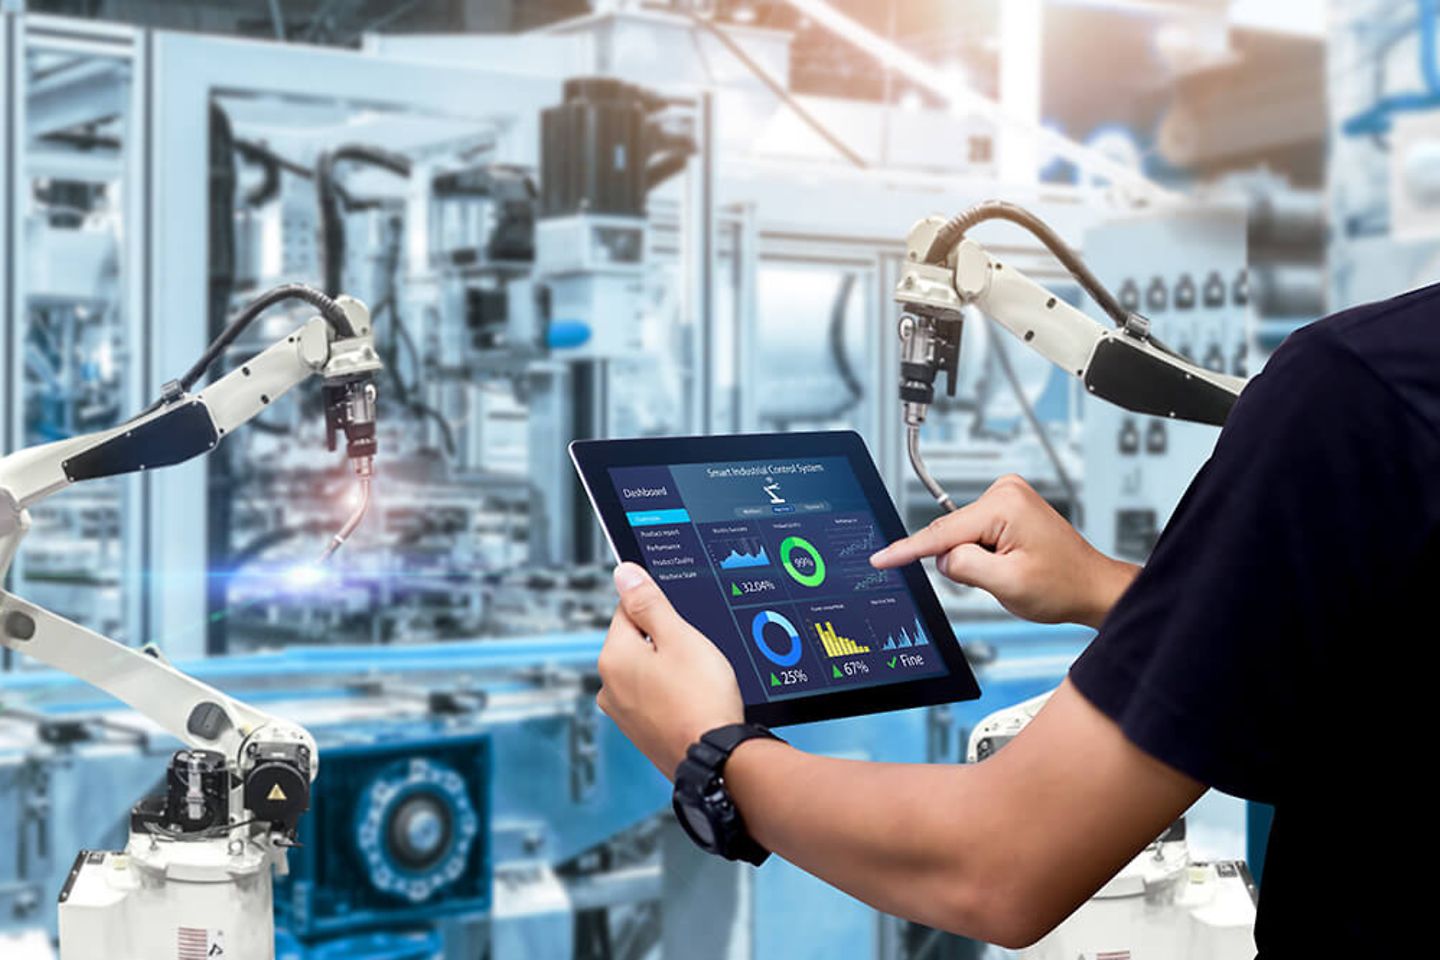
<point>770,560</point>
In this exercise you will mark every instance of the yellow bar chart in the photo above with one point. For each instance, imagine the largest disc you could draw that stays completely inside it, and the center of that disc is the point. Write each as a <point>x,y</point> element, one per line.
<point>836,645</point>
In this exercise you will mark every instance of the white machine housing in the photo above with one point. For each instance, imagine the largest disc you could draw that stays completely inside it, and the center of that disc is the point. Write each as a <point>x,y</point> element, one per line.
<point>191,900</point>
<point>593,267</point>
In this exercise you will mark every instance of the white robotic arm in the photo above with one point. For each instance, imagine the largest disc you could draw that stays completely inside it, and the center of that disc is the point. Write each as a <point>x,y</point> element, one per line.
<point>946,272</point>
<point>198,715</point>
<point>235,798</point>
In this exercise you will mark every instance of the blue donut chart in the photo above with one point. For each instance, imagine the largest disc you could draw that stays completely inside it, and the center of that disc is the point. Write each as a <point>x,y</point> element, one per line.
<point>757,633</point>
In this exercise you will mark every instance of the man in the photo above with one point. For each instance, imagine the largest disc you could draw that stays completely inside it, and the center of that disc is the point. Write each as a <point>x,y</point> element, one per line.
<point>1243,657</point>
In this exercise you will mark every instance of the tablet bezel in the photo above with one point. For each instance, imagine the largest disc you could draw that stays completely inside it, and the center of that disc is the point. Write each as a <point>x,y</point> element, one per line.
<point>594,459</point>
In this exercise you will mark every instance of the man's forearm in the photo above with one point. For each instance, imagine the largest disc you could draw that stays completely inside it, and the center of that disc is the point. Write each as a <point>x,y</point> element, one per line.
<point>1112,579</point>
<point>1000,851</point>
<point>907,839</point>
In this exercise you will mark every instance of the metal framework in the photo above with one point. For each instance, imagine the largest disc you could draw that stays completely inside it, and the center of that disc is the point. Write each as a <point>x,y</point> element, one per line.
<point>26,37</point>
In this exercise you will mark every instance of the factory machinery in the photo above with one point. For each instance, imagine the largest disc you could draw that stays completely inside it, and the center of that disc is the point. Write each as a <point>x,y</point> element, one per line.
<point>195,875</point>
<point>551,247</point>
<point>1384,99</point>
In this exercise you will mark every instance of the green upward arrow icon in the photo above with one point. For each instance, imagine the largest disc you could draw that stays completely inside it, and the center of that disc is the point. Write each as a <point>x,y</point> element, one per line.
<point>835,671</point>
<point>774,680</point>
<point>734,590</point>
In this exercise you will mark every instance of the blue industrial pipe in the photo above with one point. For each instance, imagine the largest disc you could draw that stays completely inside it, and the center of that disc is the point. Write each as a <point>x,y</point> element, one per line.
<point>1429,68</point>
<point>1376,119</point>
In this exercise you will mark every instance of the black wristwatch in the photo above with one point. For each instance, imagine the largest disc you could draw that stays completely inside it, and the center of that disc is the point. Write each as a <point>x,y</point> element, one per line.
<point>703,805</point>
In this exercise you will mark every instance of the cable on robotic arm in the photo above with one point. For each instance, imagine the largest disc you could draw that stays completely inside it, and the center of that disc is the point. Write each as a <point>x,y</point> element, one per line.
<point>954,230</point>
<point>948,237</point>
<point>329,309</point>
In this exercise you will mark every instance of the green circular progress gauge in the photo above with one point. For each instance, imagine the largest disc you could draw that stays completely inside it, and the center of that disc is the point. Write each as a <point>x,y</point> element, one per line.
<point>813,579</point>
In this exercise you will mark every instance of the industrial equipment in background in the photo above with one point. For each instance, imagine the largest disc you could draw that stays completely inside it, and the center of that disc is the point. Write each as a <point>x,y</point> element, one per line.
<point>195,877</point>
<point>523,298</point>
<point>629,223</point>
<point>602,152</point>
<point>1384,120</point>
<point>1194,286</point>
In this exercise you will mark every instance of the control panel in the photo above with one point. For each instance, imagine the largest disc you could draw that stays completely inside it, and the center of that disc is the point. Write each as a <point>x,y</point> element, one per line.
<point>1186,273</point>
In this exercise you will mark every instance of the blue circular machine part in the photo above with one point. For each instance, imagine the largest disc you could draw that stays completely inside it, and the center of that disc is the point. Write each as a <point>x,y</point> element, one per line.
<point>420,831</point>
<point>757,633</point>
<point>416,827</point>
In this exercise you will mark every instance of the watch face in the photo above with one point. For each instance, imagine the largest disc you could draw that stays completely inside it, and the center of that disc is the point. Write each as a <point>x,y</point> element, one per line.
<point>698,825</point>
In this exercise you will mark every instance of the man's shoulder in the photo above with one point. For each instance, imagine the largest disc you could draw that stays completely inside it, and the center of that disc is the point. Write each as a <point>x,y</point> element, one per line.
<point>1410,321</point>
<point>1394,341</point>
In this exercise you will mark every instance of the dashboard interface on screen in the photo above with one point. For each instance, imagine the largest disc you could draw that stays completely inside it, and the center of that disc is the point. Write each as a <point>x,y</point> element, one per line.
<point>770,560</point>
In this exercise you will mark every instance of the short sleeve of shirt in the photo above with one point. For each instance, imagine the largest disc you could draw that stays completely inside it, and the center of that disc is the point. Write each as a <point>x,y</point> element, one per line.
<point>1311,510</point>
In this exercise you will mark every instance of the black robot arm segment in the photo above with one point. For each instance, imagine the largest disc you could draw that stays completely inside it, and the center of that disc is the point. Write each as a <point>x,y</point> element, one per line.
<point>1122,371</point>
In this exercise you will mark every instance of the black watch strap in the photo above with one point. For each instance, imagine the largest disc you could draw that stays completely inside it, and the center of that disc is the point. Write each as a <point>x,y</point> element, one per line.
<point>700,775</point>
<point>727,738</point>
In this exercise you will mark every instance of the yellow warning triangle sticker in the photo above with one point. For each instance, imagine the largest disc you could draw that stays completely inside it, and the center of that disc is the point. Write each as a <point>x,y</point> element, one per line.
<point>276,793</point>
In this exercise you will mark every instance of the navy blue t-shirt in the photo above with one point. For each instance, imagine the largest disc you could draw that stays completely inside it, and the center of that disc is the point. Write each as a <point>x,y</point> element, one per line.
<point>1278,646</point>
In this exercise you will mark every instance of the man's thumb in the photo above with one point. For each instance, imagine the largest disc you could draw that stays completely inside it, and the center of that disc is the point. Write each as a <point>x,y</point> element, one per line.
<point>643,601</point>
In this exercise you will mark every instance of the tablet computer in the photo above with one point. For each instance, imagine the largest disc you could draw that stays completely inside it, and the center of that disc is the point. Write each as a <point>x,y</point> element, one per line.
<point>762,542</point>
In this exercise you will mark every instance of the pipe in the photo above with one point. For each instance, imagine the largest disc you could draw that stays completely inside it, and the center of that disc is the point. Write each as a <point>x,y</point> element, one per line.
<point>1429,68</point>
<point>917,463</point>
<point>916,70</point>
<point>1376,119</point>
<point>352,524</point>
<point>778,89</point>
<point>1002,353</point>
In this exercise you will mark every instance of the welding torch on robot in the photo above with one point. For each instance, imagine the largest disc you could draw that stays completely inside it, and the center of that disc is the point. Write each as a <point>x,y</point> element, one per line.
<point>201,855</point>
<point>350,406</point>
<point>946,273</point>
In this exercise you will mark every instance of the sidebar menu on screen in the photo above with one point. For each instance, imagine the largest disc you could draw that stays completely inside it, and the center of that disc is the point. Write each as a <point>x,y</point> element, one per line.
<point>672,552</point>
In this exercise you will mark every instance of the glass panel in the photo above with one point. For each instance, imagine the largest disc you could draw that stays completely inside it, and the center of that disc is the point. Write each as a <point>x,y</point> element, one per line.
<point>78,354</point>
<point>814,348</point>
<point>442,258</point>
